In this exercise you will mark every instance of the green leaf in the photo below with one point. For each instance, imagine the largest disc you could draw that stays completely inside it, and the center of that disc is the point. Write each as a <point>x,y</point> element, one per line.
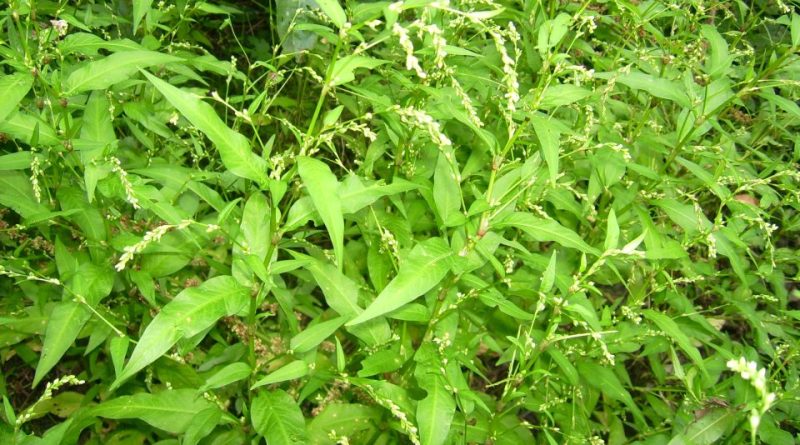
<point>227,375</point>
<point>656,86</point>
<point>93,282</point>
<point>140,9</point>
<point>447,192</point>
<point>233,147</point>
<point>103,73</point>
<point>560,95</point>
<point>604,380</point>
<point>612,232</point>
<point>334,11</point>
<point>256,225</point>
<point>669,327</point>
<point>322,186</point>
<point>173,411</point>
<point>424,268</point>
<point>292,371</point>
<point>25,128</point>
<point>16,193</point>
<point>65,323</point>
<point>316,334</point>
<point>354,195</point>
<point>347,419</point>
<point>684,215</point>
<point>13,88</point>
<point>192,311</point>
<point>277,417</point>
<point>709,428</point>
<point>341,293</point>
<point>344,68</point>
<point>202,425</point>
<point>548,135</point>
<point>435,412</point>
<point>545,230</point>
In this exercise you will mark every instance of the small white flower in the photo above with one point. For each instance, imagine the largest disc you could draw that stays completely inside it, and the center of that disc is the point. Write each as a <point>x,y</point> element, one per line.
<point>60,26</point>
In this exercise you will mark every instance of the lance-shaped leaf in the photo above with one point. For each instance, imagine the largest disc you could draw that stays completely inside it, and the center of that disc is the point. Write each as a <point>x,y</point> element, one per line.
<point>291,371</point>
<point>173,411</point>
<point>669,327</point>
<point>66,321</point>
<point>277,417</point>
<point>233,147</point>
<point>548,136</point>
<point>323,187</point>
<point>191,312</point>
<point>540,229</point>
<point>426,266</point>
<point>13,88</point>
<point>101,74</point>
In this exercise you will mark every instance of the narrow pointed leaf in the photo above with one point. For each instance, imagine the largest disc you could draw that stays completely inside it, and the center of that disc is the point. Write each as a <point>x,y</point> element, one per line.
<point>540,229</point>
<point>322,186</point>
<point>189,313</point>
<point>113,69</point>
<point>173,410</point>
<point>316,334</point>
<point>426,266</point>
<point>13,88</point>
<point>66,321</point>
<point>277,417</point>
<point>294,370</point>
<point>233,147</point>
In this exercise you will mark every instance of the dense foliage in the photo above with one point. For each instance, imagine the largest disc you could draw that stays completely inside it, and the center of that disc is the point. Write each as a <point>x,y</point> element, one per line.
<point>428,222</point>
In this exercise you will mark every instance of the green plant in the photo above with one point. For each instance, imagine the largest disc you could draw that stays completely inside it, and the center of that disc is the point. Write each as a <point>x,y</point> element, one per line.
<point>422,222</point>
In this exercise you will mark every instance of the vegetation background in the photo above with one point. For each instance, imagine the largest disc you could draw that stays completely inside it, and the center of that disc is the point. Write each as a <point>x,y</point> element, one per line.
<point>427,221</point>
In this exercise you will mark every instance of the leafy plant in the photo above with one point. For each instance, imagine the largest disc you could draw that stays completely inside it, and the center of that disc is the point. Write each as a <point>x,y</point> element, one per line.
<point>428,222</point>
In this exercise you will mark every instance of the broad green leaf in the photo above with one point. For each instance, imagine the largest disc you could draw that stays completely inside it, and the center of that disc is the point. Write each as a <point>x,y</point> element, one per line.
<point>344,68</point>
<point>140,9</point>
<point>25,128</point>
<point>447,192</point>
<point>87,218</point>
<point>709,428</point>
<point>435,412</point>
<point>118,348</point>
<point>192,311</point>
<point>548,135</point>
<point>612,232</point>
<point>560,95</point>
<point>604,380</point>
<point>97,128</point>
<point>227,375</point>
<point>341,293</point>
<point>316,334</point>
<point>549,276</point>
<point>795,30</point>
<point>669,327</point>
<point>89,44</point>
<point>354,195</point>
<point>551,32</point>
<point>346,419</point>
<point>720,60</point>
<point>277,417</point>
<point>334,11</point>
<point>323,187</point>
<point>93,282</point>
<point>202,425</point>
<point>291,371</point>
<point>13,88</point>
<point>233,147</point>
<point>172,410</point>
<point>656,86</point>
<point>545,230</point>
<point>20,160</point>
<point>103,73</point>
<point>684,215</point>
<point>256,225</point>
<point>16,193</point>
<point>66,321</point>
<point>424,268</point>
